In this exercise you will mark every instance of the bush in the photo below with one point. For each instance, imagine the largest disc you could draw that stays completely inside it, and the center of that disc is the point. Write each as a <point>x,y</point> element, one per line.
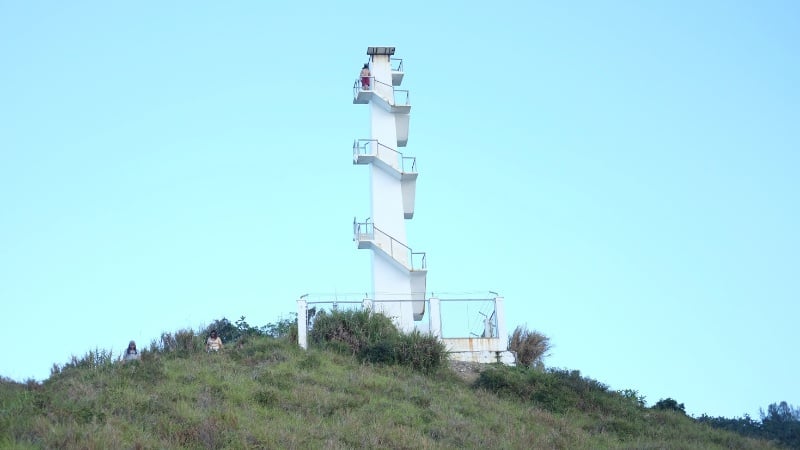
<point>507,381</point>
<point>351,331</point>
<point>226,331</point>
<point>421,352</point>
<point>284,328</point>
<point>181,343</point>
<point>240,330</point>
<point>669,404</point>
<point>555,390</point>
<point>381,352</point>
<point>97,359</point>
<point>745,426</point>
<point>529,346</point>
<point>374,338</point>
<point>781,423</point>
<point>150,368</point>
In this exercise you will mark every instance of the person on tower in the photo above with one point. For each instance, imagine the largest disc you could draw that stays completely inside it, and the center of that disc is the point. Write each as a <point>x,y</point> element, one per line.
<point>365,74</point>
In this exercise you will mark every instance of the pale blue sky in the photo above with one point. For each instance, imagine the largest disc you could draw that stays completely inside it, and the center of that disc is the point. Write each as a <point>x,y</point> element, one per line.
<point>625,173</point>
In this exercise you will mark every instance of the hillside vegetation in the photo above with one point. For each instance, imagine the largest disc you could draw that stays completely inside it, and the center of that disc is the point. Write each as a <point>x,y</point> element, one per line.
<point>262,391</point>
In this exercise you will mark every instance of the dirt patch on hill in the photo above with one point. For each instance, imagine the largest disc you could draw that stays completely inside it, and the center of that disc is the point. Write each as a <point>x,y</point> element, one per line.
<point>467,371</point>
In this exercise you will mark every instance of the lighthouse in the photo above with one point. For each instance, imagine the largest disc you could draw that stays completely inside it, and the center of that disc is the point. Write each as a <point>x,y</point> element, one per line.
<point>398,272</point>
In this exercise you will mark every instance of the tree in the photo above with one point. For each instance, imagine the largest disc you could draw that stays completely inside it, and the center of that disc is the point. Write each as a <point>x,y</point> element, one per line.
<point>782,422</point>
<point>746,426</point>
<point>529,346</point>
<point>780,413</point>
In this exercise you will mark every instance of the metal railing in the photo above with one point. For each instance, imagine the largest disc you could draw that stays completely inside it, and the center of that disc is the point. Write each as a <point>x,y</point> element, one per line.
<point>477,323</point>
<point>488,327</point>
<point>360,86</point>
<point>382,306</point>
<point>378,87</point>
<point>400,252</point>
<point>402,92</point>
<point>397,64</point>
<point>372,147</point>
<point>451,312</point>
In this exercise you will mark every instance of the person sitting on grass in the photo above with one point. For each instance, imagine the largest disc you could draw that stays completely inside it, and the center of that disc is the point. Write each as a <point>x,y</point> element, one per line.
<point>213,343</point>
<point>131,353</point>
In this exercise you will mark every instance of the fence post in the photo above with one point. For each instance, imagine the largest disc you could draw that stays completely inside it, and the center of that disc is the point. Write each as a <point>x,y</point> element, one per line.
<point>302,323</point>
<point>436,317</point>
<point>500,310</point>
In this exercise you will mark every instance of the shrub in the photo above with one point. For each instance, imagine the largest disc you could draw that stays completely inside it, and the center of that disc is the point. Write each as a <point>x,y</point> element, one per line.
<point>226,331</point>
<point>373,338</point>
<point>669,404</point>
<point>182,343</point>
<point>97,359</point>
<point>529,346</point>
<point>781,423</point>
<point>633,396</point>
<point>284,328</point>
<point>230,332</point>
<point>266,397</point>
<point>507,381</point>
<point>356,330</point>
<point>746,426</point>
<point>420,352</point>
<point>555,390</point>
<point>381,352</point>
<point>150,368</point>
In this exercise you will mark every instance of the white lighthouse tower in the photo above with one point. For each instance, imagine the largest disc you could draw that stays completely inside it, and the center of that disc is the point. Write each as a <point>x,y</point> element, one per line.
<point>398,273</point>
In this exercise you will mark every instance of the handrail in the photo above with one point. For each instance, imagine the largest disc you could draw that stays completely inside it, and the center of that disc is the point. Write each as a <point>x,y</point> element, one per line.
<point>485,321</point>
<point>360,148</point>
<point>399,66</point>
<point>369,230</point>
<point>358,86</point>
<point>381,82</point>
<point>357,227</point>
<point>413,163</point>
<point>408,96</point>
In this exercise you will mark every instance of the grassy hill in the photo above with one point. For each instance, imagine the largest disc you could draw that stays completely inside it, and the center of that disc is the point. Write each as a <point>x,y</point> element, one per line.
<point>263,392</point>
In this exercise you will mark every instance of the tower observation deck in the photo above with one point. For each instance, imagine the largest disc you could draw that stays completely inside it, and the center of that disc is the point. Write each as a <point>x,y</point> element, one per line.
<point>398,273</point>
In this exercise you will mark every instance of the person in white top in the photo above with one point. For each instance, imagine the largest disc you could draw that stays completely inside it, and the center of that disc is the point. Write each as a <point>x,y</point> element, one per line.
<point>131,353</point>
<point>213,343</point>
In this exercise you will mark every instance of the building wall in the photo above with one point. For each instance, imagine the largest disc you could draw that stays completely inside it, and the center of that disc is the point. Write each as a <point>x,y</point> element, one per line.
<point>389,282</point>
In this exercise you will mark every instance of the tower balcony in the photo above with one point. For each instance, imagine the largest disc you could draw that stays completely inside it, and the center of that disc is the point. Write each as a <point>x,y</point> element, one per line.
<point>366,89</point>
<point>368,236</point>
<point>397,71</point>
<point>404,168</point>
<point>366,151</point>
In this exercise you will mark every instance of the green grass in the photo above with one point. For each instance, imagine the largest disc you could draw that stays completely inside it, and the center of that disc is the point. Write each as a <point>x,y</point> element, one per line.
<point>267,393</point>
